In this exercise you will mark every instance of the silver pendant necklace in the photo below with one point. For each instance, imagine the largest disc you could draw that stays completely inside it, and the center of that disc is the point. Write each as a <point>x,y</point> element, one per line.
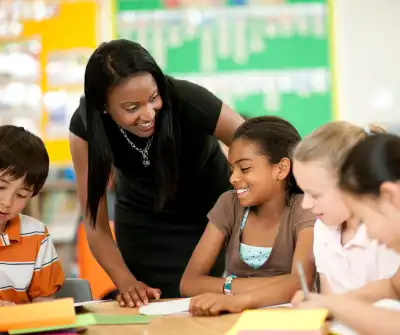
<point>144,152</point>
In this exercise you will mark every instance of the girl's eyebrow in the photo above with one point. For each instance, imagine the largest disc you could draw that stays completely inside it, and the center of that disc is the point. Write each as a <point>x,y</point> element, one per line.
<point>243,159</point>
<point>27,188</point>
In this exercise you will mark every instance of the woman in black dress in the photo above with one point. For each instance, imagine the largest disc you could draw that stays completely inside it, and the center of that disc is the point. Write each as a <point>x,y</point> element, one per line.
<point>161,136</point>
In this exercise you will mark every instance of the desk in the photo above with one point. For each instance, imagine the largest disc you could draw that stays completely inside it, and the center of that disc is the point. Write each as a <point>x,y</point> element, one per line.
<point>166,325</point>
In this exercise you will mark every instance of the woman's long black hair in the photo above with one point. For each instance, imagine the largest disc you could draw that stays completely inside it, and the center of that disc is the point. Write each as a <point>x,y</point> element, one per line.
<point>110,64</point>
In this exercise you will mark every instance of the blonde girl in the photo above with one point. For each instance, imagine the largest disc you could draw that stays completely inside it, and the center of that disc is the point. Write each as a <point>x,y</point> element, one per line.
<point>370,182</point>
<point>346,259</point>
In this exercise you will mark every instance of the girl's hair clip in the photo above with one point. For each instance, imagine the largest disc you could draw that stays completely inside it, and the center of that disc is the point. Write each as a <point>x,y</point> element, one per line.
<point>367,130</point>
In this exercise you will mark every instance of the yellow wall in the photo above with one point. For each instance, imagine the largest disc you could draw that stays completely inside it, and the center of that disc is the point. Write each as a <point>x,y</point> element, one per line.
<point>74,26</point>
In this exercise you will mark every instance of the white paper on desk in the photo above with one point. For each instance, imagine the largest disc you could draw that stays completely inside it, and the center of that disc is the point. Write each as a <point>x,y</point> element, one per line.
<point>391,304</point>
<point>338,328</point>
<point>84,303</point>
<point>180,306</point>
<point>279,306</point>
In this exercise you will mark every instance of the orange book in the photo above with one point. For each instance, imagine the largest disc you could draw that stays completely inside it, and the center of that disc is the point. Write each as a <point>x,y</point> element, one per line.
<point>37,315</point>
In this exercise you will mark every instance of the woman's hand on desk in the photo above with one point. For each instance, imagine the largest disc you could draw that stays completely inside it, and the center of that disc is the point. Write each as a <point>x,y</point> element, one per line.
<point>134,293</point>
<point>211,304</point>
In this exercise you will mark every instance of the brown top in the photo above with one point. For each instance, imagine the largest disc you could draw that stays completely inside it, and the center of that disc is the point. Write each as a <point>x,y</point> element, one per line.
<point>227,216</point>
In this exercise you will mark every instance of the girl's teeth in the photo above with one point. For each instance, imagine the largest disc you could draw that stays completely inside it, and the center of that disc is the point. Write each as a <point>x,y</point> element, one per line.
<point>242,190</point>
<point>148,124</point>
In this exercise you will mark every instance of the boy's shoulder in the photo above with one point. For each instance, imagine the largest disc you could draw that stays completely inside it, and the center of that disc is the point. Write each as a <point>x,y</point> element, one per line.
<point>31,226</point>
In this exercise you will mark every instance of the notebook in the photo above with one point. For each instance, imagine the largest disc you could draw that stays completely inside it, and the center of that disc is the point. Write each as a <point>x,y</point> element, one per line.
<point>41,314</point>
<point>90,319</point>
<point>280,321</point>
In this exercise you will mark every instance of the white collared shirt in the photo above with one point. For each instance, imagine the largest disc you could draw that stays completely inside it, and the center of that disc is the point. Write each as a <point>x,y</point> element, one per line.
<point>351,266</point>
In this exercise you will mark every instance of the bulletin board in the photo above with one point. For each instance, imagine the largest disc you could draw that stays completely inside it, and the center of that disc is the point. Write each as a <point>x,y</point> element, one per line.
<point>67,39</point>
<point>259,58</point>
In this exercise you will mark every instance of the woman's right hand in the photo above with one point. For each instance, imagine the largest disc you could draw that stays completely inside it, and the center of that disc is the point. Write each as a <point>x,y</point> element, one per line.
<point>135,293</point>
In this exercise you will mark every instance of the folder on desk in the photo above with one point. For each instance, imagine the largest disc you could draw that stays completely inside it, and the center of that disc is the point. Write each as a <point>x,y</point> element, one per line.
<point>280,321</point>
<point>37,315</point>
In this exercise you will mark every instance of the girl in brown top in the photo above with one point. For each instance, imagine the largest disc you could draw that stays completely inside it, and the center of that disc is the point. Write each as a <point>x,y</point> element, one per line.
<point>261,224</point>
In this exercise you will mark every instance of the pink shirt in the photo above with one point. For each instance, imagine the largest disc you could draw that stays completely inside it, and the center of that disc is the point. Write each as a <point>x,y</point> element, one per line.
<point>355,264</point>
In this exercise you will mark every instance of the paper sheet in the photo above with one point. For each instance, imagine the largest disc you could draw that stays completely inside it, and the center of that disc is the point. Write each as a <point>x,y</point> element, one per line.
<point>84,303</point>
<point>279,306</point>
<point>280,320</point>
<point>166,307</point>
<point>338,328</point>
<point>393,305</point>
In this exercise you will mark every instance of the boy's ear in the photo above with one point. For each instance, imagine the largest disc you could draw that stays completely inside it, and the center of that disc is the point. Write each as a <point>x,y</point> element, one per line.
<point>390,191</point>
<point>284,167</point>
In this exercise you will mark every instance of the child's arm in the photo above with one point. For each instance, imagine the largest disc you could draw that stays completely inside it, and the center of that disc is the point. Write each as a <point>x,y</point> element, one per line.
<point>277,291</point>
<point>304,234</point>
<point>48,276</point>
<point>360,316</point>
<point>282,291</point>
<point>364,318</point>
<point>303,253</point>
<point>381,289</point>
<point>195,279</point>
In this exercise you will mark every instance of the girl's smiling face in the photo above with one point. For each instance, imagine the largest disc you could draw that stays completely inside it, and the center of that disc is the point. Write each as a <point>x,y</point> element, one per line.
<point>254,178</point>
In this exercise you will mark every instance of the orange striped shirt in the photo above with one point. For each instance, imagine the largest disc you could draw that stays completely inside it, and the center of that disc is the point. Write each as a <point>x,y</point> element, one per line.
<point>29,265</point>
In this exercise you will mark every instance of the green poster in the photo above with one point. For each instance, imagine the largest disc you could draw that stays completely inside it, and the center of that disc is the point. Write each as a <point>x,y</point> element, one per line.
<point>260,59</point>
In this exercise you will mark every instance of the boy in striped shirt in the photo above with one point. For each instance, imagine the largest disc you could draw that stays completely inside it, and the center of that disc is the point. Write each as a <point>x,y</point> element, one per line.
<point>29,266</point>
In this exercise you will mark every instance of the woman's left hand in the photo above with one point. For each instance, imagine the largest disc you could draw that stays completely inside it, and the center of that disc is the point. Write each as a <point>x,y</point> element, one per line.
<point>211,304</point>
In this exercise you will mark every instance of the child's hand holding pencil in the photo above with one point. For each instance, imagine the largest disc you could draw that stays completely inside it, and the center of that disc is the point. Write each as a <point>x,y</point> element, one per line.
<point>303,298</point>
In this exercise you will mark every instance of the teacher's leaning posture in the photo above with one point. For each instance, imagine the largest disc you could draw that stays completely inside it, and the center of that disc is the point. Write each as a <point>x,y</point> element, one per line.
<point>161,135</point>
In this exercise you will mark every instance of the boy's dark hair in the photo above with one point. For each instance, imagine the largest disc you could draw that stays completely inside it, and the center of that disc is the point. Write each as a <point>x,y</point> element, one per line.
<point>370,163</point>
<point>276,138</point>
<point>23,154</point>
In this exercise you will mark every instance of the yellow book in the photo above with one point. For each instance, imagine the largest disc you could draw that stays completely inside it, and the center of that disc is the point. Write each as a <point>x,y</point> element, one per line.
<point>37,315</point>
<point>280,321</point>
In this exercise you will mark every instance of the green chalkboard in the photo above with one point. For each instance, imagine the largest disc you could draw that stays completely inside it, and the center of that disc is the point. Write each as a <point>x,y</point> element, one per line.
<point>283,49</point>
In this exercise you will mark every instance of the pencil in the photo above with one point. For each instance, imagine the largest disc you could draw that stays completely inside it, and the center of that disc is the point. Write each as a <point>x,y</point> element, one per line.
<point>303,280</point>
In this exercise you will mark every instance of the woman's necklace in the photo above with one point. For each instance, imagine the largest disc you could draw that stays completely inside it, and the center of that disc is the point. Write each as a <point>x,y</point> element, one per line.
<point>144,152</point>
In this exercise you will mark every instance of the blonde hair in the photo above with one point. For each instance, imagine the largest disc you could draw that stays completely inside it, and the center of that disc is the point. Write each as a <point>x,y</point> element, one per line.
<point>331,143</point>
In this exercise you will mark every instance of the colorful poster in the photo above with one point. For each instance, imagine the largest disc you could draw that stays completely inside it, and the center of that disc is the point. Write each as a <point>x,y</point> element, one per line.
<point>68,37</point>
<point>279,50</point>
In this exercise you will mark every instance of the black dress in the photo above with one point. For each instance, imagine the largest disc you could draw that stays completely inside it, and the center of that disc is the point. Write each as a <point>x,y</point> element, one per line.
<point>157,245</point>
